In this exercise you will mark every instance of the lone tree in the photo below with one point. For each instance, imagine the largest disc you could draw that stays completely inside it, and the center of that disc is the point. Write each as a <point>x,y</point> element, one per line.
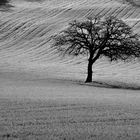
<point>3,2</point>
<point>97,37</point>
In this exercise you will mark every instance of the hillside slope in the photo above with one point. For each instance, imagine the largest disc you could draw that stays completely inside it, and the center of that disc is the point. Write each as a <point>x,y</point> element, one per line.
<point>26,30</point>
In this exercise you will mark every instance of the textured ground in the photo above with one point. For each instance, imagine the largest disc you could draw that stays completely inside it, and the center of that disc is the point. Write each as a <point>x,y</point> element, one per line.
<point>50,109</point>
<point>26,30</point>
<point>42,95</point>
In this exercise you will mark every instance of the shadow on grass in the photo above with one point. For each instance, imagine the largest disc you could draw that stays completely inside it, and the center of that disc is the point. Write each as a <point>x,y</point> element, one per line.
<point>114,84</point>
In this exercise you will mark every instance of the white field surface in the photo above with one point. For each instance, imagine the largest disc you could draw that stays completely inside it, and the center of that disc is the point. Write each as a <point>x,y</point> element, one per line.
<point>43,95</point>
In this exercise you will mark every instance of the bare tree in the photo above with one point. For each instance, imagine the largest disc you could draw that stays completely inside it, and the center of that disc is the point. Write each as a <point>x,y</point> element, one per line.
<point>97,37</point>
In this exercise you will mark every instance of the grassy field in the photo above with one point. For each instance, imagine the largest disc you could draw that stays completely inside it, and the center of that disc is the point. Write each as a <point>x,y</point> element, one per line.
<point>43,96</point>
<point>54,120</point>
<point>50,109</point>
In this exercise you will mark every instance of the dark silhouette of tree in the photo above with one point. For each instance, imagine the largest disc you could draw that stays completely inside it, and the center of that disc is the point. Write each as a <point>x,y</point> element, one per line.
<point>3,2</point>
<point>97,37</point>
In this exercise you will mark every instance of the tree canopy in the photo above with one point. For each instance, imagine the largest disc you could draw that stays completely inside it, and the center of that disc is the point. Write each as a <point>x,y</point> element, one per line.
<point>97,37</point>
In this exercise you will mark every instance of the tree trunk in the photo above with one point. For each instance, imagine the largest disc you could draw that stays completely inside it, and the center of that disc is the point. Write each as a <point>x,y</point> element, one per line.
<point>89,72</point>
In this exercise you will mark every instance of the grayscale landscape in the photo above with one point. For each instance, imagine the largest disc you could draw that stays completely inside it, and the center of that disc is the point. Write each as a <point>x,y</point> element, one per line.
<point>43,95</point>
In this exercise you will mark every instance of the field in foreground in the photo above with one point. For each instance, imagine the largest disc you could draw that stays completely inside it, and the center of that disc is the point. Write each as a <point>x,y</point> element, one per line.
<point>50,109</point>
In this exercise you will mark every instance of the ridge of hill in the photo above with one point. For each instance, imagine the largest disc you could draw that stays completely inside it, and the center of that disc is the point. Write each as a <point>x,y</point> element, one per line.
<point>26,30</point>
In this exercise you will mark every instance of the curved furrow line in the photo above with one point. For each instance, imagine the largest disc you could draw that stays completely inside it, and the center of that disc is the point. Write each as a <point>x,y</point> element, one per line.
<point>31,48</point>
<point>25,33</point>
<point>130,13</point>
